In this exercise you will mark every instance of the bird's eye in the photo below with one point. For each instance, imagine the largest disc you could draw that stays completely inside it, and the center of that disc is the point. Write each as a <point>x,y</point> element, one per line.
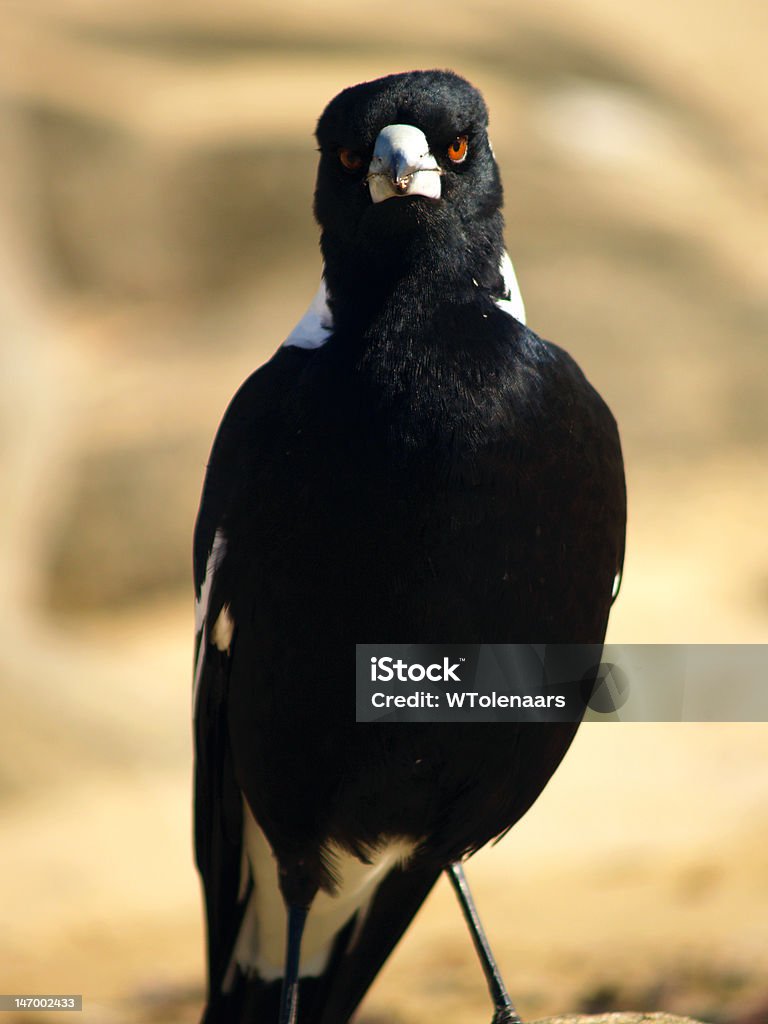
<point>457,151</point>
<point>350,160</point>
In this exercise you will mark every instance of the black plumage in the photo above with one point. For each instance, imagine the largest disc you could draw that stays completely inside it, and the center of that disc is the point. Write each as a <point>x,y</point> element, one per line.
<point>432,472</point>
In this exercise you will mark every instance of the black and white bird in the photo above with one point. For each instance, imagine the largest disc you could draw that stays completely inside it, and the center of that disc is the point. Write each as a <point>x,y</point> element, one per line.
<point>413,465</point>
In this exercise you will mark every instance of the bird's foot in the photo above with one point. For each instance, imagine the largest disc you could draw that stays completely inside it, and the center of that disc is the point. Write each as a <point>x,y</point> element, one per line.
<point>505,1015</point>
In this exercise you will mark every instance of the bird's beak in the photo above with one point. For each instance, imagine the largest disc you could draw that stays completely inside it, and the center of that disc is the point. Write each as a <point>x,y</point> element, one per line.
<point>402,165</point>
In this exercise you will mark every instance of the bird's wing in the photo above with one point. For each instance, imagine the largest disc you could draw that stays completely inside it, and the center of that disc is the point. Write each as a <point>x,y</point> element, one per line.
<point>218,800</point>
<point>218,819</point>
<point>362,944</point>
<point>218,806</point>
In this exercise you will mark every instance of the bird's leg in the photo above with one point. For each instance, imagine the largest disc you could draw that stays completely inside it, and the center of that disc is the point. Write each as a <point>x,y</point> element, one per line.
<point>504,1011</point>
<point>289,995</point>
<point>298,881</point>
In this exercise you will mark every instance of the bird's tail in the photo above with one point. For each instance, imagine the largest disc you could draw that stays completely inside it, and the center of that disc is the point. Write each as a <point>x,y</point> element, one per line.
<point>358,955</point>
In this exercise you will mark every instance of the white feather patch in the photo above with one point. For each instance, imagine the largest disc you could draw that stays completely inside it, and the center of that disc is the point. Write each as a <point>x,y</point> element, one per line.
<point>223,628</point>
<point>512,301</point>
<point>260,945</point>
<point>316,326</point>
<point>218,551</point>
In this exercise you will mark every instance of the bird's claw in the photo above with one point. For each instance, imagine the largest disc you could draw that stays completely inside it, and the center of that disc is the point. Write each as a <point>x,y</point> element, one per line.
<point>505,1015</point>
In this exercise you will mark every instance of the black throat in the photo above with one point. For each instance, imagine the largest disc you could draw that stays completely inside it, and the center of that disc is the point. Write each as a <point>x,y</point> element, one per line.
<point>421,355</point>
<point>394,282</point>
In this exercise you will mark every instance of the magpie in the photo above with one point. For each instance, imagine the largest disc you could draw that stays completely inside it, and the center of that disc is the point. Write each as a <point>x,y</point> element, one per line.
<point>413,465</point>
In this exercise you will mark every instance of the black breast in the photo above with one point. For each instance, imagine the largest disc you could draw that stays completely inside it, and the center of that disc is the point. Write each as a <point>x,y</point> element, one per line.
<point>477,497</point>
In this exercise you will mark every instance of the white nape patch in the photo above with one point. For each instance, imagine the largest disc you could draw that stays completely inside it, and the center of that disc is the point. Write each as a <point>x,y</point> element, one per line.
<point>223,628</point>
<point>616,585</point>
<point>218,551</point>
<point>512,301</point>
<point>260,945</point>
<point>316,326</point>
<point>402,165</point>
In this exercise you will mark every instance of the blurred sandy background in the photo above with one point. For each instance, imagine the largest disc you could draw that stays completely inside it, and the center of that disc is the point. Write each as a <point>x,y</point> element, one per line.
<point>156,244</point>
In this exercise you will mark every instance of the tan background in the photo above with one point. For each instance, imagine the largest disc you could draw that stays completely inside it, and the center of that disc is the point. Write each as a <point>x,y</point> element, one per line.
<point>156,244</point>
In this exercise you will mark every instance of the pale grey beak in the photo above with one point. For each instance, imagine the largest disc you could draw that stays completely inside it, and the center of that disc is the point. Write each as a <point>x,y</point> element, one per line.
<point>402,165</point>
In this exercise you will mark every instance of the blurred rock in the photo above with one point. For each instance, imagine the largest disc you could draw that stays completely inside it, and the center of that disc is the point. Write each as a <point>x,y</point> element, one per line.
<point>129,218</point>
<point>617,1018</point>
<point>125,532</point>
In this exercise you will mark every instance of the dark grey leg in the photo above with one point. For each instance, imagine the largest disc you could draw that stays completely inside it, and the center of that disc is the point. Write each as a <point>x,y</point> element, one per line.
<point>504,1011</point>
<point>289,995</point>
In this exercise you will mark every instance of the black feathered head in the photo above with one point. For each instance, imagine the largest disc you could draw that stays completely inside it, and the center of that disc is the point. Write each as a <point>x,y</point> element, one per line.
<point>405,164</point>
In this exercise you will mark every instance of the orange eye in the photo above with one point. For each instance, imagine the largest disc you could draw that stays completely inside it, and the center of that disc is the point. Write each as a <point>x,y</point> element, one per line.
<point>457,151</point>
<point>350,160</point>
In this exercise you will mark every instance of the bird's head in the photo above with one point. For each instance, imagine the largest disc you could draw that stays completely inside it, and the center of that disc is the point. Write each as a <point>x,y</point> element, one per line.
<point>406,171</point>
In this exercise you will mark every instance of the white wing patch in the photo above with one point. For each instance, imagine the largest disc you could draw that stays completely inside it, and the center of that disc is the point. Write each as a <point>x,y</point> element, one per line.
<point>201,607</point>
<point>512,301</point>
<point>223,628</point>
<point>316,326</point>
<point>260,945</point>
